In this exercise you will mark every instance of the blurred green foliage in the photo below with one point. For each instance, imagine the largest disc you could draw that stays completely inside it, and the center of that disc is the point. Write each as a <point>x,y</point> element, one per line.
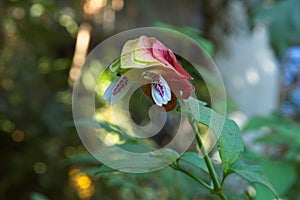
<point>279,137</point>
<point>37,40</point>
<point>282,18</point>
<point>35,100</point>
<point>194,33</point>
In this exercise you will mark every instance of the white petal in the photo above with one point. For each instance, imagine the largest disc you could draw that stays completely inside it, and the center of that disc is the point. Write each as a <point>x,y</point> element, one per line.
<point>158,99</point>
<point>120,89</point>
<point>108,91</point>
<point>166,89</point>
<point>117,89</point>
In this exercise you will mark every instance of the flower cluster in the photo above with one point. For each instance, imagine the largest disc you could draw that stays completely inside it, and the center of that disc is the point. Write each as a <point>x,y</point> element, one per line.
<point>155,68</point>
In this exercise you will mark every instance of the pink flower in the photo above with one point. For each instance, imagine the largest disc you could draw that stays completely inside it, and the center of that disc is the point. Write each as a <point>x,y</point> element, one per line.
<point>153,66</point>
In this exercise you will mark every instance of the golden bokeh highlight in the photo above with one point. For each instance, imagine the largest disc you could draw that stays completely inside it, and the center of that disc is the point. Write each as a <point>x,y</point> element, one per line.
<point>91,7</point>
<point>18,136</point>
<point>101,12</point>
<point>117,4</point>
<point>81,49</point>
<point>82,184</point>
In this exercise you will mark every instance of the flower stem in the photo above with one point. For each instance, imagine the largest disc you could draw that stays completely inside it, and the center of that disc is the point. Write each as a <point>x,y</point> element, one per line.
<point>217,189</point>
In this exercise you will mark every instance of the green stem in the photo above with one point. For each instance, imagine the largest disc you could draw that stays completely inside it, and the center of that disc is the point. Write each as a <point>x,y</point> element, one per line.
<point>217,187</point>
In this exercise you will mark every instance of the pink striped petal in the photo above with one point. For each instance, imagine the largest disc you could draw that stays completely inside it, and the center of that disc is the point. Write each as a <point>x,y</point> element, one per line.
<point>117,89</point>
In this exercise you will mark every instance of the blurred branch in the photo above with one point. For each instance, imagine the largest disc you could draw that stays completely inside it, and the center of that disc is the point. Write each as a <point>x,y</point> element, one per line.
<point>81,49</point>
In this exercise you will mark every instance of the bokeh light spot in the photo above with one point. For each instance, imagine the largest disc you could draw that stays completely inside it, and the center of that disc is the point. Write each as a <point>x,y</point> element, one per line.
<point>7,84</point>
<point>36,10</point>
<point>7,125</point>
<point>64,20</point>
<point>109,15</point>
<point>9,26</point>
<point>252,76</point>
<point>112,139</point>
<point>80,149</point>
<point>70,152</point>
<point>18,136</point>
<point>18,13</point>
<point>70,24</point>
<point>40,167</point>
<point>117,4</point>
<point>93,6</point>
<point>82,183</point>
<point>269,67</point>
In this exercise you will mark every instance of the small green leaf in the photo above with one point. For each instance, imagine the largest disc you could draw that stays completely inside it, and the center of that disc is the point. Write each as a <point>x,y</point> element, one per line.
<point>253,174</point>
<point>230,143</point>
<point>166,155</point>
<point>105,169</point>
<point>115,65</point>
<point>192,158</point>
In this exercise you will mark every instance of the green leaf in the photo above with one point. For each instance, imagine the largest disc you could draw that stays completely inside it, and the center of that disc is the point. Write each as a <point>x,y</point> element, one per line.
<point>166,155</point>
<point>193,159</point>
<point>282,175</point>
<point>230,143</point>
<point>83,158</point>
<point>253,174</point>
<point>105,169</point>
<point>115,65</point>
<point>140,162</point>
